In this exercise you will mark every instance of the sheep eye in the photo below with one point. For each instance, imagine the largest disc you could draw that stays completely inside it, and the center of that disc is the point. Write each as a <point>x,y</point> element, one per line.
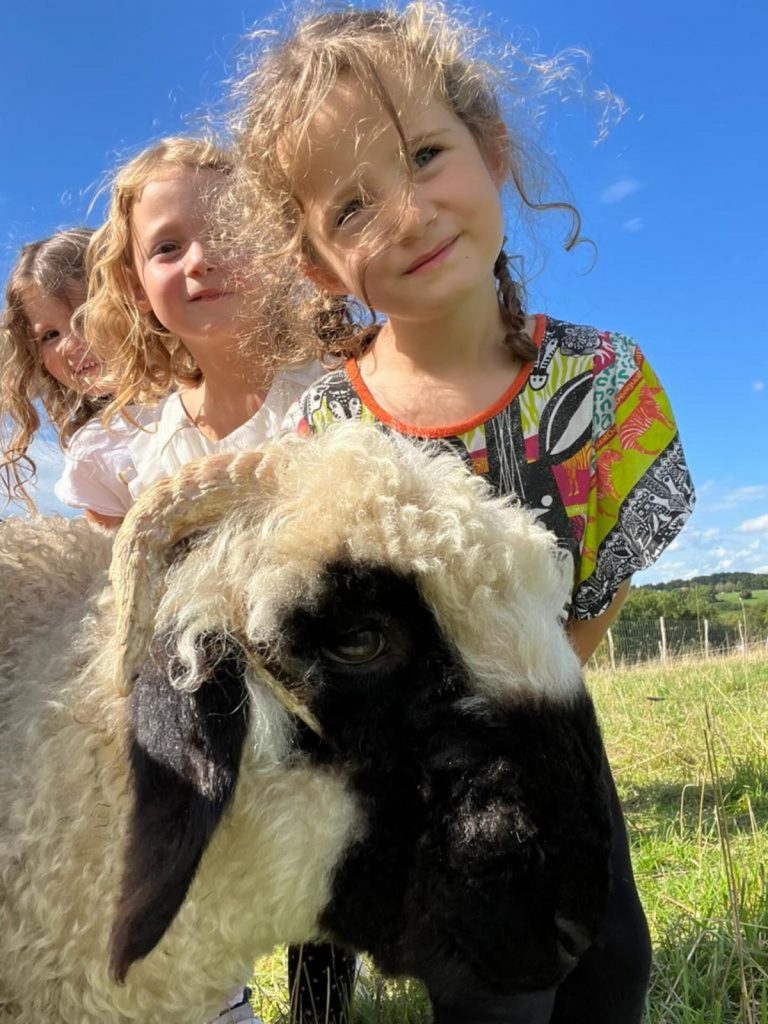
<point>356,648</point>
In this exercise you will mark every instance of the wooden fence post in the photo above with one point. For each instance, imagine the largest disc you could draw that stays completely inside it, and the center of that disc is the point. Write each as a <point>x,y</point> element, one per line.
<point>706,638</point>
<point>663,639</point>
<point>611,650</point>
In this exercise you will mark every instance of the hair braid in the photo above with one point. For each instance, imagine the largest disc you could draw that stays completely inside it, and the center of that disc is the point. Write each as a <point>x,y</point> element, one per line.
<point>338,330</point>
<point>333,323</point>
<point>513,315</point>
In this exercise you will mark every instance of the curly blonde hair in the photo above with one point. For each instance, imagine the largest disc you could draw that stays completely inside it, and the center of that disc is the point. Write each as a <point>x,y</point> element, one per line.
<point>55,266</point>
<point>145,360</point>
<point>422,44</point>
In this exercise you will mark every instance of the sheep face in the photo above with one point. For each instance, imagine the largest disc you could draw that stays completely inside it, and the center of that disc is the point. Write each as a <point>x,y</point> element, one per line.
<point>486,821</point>
<point>414,621</point>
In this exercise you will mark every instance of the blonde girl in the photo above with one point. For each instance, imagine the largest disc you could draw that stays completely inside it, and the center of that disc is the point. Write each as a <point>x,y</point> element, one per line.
<point>168,310</point>
<point>376,140</point>
<point>44,358</point>
<point>168,313</point>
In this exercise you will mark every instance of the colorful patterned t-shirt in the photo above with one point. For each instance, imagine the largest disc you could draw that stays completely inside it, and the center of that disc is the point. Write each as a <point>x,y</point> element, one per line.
<point>584,437</point>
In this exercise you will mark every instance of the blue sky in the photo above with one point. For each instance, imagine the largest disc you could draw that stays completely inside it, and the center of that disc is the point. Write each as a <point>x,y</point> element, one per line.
<point>674,197</point>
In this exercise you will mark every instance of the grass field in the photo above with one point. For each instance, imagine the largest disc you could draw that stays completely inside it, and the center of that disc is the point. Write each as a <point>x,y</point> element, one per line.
<point>734,598</point>
<point>689,748</point>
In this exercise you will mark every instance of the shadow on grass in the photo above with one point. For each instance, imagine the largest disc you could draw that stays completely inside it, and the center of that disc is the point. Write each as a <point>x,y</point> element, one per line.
<point>688,808</point>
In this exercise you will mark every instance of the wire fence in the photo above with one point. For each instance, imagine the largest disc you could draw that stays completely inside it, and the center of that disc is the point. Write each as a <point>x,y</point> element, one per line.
<point>636,640</point>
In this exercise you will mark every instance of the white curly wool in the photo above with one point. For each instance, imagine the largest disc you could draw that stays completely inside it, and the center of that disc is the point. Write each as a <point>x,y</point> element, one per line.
<point>492,575</point>
<point>486,569</point>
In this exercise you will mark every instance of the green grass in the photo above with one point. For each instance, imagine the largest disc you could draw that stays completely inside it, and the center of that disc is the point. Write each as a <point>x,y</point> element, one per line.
<point>759,598</point>
<point>689,747</point>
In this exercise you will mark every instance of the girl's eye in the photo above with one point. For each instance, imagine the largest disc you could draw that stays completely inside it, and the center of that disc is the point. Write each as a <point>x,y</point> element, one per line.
<point>349,211</point>
<point>356,647</point>
<point>165,248</point>
<point>424,156</point>
<point>51,335</point>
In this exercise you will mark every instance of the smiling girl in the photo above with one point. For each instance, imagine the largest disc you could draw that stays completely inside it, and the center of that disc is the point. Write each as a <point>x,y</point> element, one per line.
<point>376,140</point>
<point>167,311</point>
<point>44,358</point>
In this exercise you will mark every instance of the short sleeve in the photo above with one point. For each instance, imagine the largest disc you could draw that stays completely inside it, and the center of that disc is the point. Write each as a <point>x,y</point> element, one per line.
<point>294,421</point>
<point>329,400</point>
<point>641,492</point>
<point>97,470</point>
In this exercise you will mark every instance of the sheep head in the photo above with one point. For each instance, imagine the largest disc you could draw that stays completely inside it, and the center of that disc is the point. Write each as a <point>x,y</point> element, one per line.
<point>300,576</point>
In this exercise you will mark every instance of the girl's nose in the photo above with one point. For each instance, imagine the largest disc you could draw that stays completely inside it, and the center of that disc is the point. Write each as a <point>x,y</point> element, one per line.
<point>195,261</point>
<point>416,214</point>
<point>73,346</point>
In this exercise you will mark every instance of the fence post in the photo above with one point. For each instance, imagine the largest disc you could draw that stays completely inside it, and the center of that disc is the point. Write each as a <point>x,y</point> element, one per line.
<point>663,640</point>
<point>611,650</point>
<point>706,638</point>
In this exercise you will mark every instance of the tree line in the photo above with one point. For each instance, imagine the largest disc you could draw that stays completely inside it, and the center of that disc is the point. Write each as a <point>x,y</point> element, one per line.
<point>725,581</point>
<point>703,598</point>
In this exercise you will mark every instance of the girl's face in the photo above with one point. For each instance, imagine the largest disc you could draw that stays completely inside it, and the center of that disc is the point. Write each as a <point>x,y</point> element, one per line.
<point>178,277</point>
<point>352,187</point>
<point>63,352</point>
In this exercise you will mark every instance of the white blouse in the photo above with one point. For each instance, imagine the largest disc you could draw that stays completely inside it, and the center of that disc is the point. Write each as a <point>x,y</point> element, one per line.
<point>108,468</point>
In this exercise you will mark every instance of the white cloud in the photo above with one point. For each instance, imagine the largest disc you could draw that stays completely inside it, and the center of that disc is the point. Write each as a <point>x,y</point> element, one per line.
<point>758,385</point>
<point>742,495</point>
<point>700,552</point>
<point>759,525</point>
<point>692,538</point>
<point>633,224</point>
<point>619,190</point>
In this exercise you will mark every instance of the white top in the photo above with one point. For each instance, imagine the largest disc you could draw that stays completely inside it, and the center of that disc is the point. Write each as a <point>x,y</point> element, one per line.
<point>107,470</point>
<point>98,466</point>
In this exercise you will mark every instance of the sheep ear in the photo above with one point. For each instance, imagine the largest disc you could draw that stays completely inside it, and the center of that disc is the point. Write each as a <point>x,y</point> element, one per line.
<point>185,756</point>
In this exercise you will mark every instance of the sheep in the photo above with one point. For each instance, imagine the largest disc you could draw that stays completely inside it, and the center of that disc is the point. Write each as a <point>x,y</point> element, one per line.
<point>327,694</point>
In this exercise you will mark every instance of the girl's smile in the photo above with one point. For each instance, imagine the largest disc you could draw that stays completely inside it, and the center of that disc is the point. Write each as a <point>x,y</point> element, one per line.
<point>209,295</point>
<point>434,258</point>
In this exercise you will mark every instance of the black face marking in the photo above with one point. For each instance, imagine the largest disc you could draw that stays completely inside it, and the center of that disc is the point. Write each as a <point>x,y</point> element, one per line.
<point>185,756</point>
<point>360,657</point>
<point>485,862</point>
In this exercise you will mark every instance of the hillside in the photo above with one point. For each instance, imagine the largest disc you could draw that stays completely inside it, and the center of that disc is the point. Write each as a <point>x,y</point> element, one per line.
<point>724,580</point>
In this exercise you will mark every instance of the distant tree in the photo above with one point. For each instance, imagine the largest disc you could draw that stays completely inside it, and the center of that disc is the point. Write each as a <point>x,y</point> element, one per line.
<point>644,603</point>
<point>746,594</point>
